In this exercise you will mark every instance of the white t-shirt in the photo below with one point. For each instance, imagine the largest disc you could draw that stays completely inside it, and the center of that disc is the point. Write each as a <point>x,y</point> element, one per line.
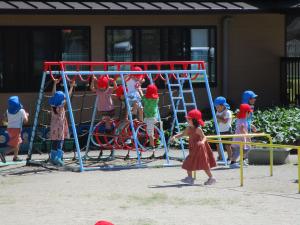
<point>16,120</point>
<point>132,86</point>
<point>226,114</point>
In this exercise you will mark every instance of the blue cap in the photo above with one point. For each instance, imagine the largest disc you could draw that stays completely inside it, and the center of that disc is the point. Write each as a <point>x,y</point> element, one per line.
<point>247,95</point>
<point>14,105</point>
<point>57,99</point>
<point>221,101</point>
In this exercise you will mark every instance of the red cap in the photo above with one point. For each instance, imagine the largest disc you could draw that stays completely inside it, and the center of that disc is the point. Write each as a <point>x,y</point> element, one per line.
<point>151,92</point>
<point>137,76</point>
<point>197,115</point>
<point>103,82</point>
<point>244,108</point>
<point>120,91</point>
<point>102,222</point>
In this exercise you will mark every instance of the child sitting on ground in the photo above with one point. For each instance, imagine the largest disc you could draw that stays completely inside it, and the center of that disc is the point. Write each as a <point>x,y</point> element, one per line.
<point>104,99</point>
<point>59,129</point>
<point>15,116</point>
<point>224,118</point>
<point>200,154</point>
<point>150,103</point>
<point>133,84</point>
<point>241,128</point>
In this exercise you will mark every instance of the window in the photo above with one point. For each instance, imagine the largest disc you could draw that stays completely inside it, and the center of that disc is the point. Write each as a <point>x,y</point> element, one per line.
<point>293,36</point>
<point>24,49</point>
<point>163,43</point>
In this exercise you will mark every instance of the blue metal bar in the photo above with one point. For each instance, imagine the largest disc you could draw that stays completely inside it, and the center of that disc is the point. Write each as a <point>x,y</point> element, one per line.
<point>193,94</point>
<point>72,119</point>
<point>162,135</point>
<point>36,116</point>
<point>76,73</point>
<point>176,123</point>
<point>91,127</point>
<point>214,115</point>
<point>134,133</point>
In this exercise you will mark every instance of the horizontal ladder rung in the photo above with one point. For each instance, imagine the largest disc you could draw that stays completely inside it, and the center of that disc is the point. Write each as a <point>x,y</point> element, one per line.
<point>188,104</point>
<point>177,98</point>
<point>180,111</point>
<point>174,85</point>
<point>187,91</point>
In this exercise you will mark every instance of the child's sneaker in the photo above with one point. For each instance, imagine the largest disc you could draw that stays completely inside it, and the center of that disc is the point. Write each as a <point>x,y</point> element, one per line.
<point>188,180</point>
<point>245,161</point>
<point>234,165</point>
<point>17,159</point>
<point>2,157</point>
<point>210,181</point>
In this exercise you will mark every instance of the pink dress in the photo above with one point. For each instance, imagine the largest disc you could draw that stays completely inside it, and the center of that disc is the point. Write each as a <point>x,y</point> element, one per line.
<point>59,129</point>
<point>105,102</point>
<point>200,156</point>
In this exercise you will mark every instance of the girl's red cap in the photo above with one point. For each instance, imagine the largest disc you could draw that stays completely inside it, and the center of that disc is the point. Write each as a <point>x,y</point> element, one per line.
<point>120,91</point>
<point>137,76</point>
<point>102,222</point>
<point>103,82</point>
<point>151,92</point>
<point>244,108</point>
<point>197,115</point>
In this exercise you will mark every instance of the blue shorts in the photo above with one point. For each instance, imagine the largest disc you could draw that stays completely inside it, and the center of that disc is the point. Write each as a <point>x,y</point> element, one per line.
<point>135,97</point>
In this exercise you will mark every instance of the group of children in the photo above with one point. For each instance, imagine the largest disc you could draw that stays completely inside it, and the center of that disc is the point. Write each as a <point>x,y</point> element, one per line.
<point>144,108</point>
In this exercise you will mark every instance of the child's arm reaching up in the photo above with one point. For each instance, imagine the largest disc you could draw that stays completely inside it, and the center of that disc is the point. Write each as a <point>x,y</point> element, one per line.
<point>92,86</point>
<point>55,82</point>
<point>72,84</point>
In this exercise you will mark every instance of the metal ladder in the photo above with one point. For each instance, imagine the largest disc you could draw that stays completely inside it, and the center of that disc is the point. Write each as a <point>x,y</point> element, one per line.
<point>179,103</point>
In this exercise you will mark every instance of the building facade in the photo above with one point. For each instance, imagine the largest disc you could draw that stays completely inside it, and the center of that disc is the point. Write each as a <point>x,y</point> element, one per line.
<point>242,42</point>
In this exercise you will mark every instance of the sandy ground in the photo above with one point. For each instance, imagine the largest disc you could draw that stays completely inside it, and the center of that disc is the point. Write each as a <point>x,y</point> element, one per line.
<point>151,197</point>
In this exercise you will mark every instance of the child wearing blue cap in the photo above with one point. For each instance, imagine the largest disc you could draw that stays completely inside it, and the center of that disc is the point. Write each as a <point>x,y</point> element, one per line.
<point>59,129</point>
<point>15,116</point>
<point>224,118</point>
<point>249,97</point>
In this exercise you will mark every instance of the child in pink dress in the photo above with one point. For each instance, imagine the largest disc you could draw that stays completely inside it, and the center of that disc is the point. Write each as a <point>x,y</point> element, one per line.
<point>59,129</point>
<point>105,104</point>
<point>200,154</point>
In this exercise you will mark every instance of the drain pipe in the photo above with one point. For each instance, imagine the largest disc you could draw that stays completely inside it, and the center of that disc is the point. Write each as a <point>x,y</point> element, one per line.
<point>226,24</point>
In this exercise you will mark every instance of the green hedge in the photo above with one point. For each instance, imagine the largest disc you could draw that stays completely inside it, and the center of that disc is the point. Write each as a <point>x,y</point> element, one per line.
<point>283,124</point>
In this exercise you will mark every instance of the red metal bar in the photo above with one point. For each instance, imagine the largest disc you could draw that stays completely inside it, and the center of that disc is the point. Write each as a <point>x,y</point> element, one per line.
<point>171,64</point>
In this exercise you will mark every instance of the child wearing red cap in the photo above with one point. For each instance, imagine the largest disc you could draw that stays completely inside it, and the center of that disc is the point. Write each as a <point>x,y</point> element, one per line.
<point>150,102</point>
<point>104,94</point>
<point>241,128</point>
<point>200,154</point>
<point>134,85</point>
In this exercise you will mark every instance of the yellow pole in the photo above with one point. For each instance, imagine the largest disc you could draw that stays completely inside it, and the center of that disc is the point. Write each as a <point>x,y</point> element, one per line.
<point>271,156</point>
<point>241,164</point>
<point>194,174</point>
<point>298,169</point>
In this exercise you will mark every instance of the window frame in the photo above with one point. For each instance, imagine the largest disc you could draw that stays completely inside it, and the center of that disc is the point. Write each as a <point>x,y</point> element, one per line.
<point>31,29</point>
<point>135,29</point>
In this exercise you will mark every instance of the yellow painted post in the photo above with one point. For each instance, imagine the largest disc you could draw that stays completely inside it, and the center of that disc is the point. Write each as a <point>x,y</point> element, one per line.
<point>241,164</point>
<point>298,170</point>
<point>271,156</point>
<point>194,174</point>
